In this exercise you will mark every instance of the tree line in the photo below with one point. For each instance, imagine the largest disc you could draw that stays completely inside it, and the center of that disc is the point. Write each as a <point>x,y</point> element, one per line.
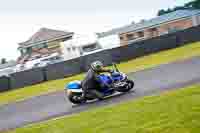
<point>195,4</point>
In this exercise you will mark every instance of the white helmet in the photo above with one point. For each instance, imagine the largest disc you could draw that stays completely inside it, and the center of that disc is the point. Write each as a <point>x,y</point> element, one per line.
<point>96,65</point>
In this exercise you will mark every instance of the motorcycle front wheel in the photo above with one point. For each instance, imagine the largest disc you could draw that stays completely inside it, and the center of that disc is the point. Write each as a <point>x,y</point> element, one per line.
<point>129,85</point>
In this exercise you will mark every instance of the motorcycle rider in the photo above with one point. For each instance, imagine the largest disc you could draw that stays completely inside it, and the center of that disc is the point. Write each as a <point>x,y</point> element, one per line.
<point>90,84</point>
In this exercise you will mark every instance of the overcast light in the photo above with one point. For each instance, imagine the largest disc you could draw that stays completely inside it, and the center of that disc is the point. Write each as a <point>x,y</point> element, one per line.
<point>21,18</point>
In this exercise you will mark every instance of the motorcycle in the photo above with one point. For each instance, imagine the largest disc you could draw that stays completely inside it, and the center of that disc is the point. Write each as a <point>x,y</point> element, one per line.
<point>111,83</point>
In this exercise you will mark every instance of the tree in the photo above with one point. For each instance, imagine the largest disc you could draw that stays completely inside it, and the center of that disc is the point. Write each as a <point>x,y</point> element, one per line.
<point>195,4</point>
<point>3,61</point>
<point>162,11</point>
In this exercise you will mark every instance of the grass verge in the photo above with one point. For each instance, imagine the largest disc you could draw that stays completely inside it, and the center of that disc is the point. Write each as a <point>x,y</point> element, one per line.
<point>141,63</point>
<point>175,111</point>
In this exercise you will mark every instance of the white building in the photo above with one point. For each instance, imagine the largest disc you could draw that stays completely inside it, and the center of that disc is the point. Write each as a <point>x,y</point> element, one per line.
<point>83,44</point>
<point>80,45</point>
<point>109,42</point>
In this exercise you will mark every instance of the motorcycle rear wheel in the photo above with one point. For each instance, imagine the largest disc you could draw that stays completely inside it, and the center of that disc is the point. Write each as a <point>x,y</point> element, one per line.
<point>76,98</point>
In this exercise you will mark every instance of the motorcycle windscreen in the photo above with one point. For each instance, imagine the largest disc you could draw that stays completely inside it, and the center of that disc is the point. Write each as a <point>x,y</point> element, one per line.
<point>117,76</point>
<point>105,79</point>
<point>73,86</point>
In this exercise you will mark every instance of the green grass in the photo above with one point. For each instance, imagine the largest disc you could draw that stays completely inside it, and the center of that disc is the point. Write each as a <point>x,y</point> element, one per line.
<point>129,66</point>
<point>171,112</point>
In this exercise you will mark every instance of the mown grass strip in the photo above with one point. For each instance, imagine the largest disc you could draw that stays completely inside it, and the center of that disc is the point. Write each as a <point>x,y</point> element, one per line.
<point>175,111</point>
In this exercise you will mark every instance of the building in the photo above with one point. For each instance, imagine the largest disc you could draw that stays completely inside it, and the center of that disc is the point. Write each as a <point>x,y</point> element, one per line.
<point>168,23</point>
<point>109,42</point>
<point>84,44</point>
<point>42,44</point>
<point>80,45</point>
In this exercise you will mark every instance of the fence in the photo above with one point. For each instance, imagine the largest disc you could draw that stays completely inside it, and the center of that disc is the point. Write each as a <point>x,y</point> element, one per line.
<point>78,65</point>
<point>25,78</point>
<point>4,83</point>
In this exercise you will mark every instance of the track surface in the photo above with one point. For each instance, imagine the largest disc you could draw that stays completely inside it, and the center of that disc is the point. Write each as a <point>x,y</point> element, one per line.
<point>148,82</point>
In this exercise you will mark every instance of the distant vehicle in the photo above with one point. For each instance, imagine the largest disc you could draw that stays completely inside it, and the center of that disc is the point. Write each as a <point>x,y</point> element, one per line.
<point>6,71</point>
<point>54,58</point>
<point>39,62</point>
<point>7,68</point>
<point>18,67</point>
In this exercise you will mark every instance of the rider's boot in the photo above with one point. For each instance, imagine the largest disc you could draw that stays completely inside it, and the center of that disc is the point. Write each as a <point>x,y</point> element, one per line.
<point>98,94</point>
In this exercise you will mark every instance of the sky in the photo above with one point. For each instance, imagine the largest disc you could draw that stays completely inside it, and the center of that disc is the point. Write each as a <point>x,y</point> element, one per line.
<point>20,19</point>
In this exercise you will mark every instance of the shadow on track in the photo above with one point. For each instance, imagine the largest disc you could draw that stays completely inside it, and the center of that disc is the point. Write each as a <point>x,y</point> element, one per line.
<point>111,98</point>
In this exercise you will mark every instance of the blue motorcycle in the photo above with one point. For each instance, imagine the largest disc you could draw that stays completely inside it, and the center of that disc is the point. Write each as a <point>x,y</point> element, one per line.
<point>117,82</point>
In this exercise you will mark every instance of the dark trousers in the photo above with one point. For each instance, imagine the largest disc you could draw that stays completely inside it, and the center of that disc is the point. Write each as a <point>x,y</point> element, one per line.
<point>94,92</point>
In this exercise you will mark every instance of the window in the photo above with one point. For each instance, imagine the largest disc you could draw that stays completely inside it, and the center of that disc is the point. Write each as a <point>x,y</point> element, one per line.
<point>153,32</point>
<point>121,38</point>
<point>40,46</point>
<point>29,49</point>
<point>90,48</point>
<point>54,44</point>
<point>130,36</point>
<point>67,38</point>
<point>73,48</point>
<point>23,51</point>
<point>26,50</point>
<point>153,29</point>
<point>140,34</point>
<point>173,29</point>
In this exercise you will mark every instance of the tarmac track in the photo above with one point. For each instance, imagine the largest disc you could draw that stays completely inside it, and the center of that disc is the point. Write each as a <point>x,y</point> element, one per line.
<point>147,82</point>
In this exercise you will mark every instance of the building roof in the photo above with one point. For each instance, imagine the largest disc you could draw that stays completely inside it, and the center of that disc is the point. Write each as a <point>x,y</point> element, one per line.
<point>176,15</point>
<point>45,34</point>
